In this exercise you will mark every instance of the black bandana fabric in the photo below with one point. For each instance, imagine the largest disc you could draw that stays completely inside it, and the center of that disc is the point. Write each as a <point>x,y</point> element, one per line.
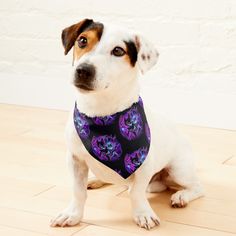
<point>120,141</point>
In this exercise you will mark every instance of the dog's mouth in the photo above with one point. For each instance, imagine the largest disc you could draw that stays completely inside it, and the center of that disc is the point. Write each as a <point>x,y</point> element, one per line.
<point>83,86</point>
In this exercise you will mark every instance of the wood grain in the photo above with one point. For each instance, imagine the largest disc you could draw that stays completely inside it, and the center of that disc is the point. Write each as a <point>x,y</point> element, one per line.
<point>35,184</point>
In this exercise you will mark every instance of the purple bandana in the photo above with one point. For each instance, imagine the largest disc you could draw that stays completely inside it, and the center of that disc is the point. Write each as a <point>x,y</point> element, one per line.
<point>120,141</point>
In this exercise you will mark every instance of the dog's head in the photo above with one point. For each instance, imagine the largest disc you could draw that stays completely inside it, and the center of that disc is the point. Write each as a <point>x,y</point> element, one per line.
<point>105,56</point>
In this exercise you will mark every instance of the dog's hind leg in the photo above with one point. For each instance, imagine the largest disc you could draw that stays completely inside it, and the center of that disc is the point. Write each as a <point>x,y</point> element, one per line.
<point>157,183</point>
<point>94,183</point>
<point>182,171</point>
<point>156,187</point>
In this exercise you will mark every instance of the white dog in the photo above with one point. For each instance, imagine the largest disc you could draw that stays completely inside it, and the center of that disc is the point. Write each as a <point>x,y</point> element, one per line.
<point>107,61</point>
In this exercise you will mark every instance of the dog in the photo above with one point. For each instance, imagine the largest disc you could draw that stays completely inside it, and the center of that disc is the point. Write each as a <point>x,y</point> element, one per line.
<point>107,61</point>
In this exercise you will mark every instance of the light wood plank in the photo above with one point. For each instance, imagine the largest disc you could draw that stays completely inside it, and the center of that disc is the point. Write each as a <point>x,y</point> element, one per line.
<point>215,215</point>
<point>13,186</point>
<point>166,229</point>
<point>231,161</point>
<point>211,145</point>
<point>32,145</point>
<point>122,220</point>
<point>33,222</point>
<point>8,231</point>
<point>62,193</point>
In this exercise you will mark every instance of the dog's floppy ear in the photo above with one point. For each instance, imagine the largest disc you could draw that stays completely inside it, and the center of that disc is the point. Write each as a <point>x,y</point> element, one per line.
<point>70,34</point>
<point>147,54</point>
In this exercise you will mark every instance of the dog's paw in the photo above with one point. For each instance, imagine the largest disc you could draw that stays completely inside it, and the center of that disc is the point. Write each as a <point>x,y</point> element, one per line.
<point>146,219</point>
<point>95,183</point>
<point>179,199</point>
<point>66,218</point>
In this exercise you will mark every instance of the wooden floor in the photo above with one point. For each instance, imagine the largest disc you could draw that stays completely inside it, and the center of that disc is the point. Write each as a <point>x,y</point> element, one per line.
<point>35,184</point>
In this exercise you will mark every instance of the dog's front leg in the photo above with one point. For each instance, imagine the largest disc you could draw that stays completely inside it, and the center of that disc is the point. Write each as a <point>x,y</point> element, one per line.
<point>74,212</point>
<point>143,214</point>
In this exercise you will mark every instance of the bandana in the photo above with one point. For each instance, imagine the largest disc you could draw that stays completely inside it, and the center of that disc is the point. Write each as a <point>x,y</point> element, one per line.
<point>120,141</point>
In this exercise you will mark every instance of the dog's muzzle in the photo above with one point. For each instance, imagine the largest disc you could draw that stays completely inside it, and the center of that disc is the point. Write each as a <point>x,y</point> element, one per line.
<point>84,76</point>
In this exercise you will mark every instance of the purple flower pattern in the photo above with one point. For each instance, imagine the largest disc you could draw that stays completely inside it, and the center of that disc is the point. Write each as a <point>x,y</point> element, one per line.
<point>106,147</point>
<point>81,125</point>
<point>147,132</point>
<point>134,160</point>
<point>131,124</point>
<point>120,141</point>
<point>104,120</point>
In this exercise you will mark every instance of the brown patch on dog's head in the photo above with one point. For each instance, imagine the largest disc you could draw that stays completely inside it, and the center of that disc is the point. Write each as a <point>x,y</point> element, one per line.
<point>93,35</point>
<point>70,34</point>
<point>131,52</point>
<point>91,30</point>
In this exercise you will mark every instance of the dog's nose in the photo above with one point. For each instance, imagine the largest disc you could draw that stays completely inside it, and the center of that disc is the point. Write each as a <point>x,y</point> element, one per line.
<point>85,72</point>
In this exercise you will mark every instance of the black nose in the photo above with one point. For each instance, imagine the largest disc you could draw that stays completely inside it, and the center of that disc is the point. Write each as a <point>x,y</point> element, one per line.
<point>85,72</point>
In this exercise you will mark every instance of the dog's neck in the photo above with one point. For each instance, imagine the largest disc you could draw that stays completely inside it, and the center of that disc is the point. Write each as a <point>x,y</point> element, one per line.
<point>108,102</point>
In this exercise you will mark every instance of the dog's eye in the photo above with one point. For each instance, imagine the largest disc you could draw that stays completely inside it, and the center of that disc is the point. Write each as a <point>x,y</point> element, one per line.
<point>118,52</point>
<point>82,42</point>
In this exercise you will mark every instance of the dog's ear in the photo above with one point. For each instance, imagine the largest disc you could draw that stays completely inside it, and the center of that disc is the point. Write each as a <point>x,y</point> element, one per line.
<point>70,34</point>
<point>147,53</point>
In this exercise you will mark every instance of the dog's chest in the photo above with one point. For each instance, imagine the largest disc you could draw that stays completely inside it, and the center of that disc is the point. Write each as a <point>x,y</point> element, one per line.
<point>120,141</point>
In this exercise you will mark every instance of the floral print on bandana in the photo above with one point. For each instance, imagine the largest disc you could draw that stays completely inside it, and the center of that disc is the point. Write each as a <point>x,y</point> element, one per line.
<point>106,148</point>
<point>120,141</point>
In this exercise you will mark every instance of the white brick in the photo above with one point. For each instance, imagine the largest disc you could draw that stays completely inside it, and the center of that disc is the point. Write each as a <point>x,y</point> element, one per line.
<point>30,26</point>
<point>196,38</point>
<point>221,34</point>
<point>125,8</point>
<point>57,8</point>
<point>9,5</point>
<point>5,66</point>
<point>213,60</point>
<point>170,33</point>
<point>178,60</point>
<point>215,82</point>
<point>194,9</point>
<point>59,70</point>
<point>182,8</point>
<point>32,50</point>
<point>27,68</point>
<point>232,8</point>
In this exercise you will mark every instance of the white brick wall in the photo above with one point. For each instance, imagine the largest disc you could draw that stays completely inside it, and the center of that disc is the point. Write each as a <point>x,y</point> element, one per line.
<point>196,40</point>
